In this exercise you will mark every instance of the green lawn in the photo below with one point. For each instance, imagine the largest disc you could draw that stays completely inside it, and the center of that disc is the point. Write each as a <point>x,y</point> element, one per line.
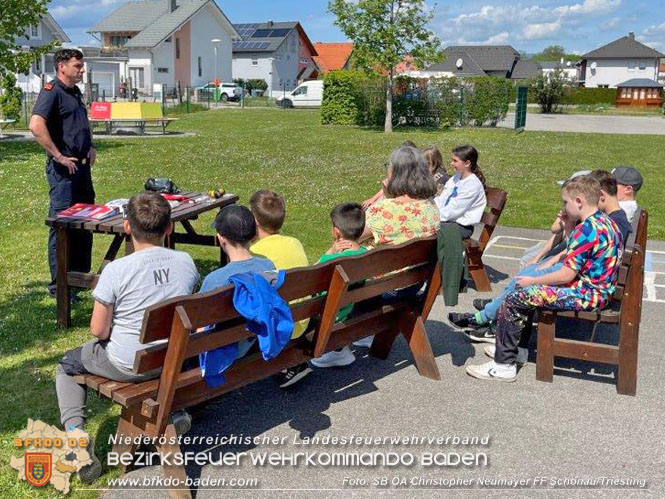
<point>313,166</point>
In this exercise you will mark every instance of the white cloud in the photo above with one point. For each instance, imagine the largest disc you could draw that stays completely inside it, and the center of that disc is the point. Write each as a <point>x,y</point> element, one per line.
<point>611,24</point>
<point>522,22</point>
<point>540,31</point>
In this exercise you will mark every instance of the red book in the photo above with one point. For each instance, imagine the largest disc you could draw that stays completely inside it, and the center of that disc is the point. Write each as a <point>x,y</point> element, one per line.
<point>88,211</point>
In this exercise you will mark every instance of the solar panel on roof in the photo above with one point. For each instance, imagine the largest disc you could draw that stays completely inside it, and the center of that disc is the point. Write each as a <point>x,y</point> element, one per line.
<point>262,33</point>
<point>278,33</point>
<point>263,45</point>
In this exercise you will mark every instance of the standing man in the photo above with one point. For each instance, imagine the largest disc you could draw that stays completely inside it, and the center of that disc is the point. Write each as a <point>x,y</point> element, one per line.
<point>60,125</point>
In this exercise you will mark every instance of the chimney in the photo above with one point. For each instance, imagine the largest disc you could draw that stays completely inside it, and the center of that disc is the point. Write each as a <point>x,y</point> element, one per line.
<point>270,24</point>
<point>172,5</point>
<point>631,35</point>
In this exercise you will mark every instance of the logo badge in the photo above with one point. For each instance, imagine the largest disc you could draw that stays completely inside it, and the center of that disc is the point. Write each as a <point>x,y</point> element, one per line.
<point>37,468</point>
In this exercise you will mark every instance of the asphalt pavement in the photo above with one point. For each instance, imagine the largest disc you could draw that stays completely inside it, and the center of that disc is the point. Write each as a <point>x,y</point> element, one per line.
<point>590,123</point>
<point>573,438</point>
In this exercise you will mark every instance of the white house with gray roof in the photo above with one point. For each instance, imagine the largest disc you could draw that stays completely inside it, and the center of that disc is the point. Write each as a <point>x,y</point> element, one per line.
<point>278,52</point>
<point>621,60</point>
<point>42,70</point>
<point>167,42</point>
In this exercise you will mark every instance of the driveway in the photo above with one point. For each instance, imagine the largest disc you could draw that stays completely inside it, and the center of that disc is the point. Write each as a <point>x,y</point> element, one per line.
<point>590,123</point>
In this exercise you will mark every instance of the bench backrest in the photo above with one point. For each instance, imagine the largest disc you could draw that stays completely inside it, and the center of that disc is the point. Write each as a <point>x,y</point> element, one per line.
<point>630,282</point>
<point>133,111</point>
<point>319,292</point>
<point>496,201</point>
<point>100,111</point>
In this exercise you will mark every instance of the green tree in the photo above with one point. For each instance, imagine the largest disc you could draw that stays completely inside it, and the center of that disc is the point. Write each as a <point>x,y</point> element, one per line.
<point>16,16</point>
<point>555,53</point>
<point>10,100</point>
<point>384,33</point>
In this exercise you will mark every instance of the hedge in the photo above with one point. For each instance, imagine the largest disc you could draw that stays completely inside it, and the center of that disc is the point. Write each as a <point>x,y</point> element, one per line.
<point>352,97</point>
<point>576,95</point>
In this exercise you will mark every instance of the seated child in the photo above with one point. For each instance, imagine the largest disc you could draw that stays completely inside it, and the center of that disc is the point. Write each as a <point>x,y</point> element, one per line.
<point>285,252</point>
<point>126,288</point>
<point>609,203</point>
<point>463,199</point>
<point>435,163</point>
<point>348,224</point>
<point>586,280</point>
<point>236,227</point>
<point>629,181</point>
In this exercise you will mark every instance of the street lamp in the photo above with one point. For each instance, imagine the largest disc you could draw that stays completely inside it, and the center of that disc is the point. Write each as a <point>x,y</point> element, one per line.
<point>215,44</point>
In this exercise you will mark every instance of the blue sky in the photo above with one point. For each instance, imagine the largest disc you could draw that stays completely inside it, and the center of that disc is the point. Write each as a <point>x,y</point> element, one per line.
<point>578,25</point>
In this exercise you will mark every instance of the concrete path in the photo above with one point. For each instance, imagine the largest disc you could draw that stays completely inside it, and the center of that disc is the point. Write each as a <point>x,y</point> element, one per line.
<point>590,123</point>
<point>576,428</point>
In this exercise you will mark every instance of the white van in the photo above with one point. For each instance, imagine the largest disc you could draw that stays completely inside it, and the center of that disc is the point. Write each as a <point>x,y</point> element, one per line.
<point>308,94</point>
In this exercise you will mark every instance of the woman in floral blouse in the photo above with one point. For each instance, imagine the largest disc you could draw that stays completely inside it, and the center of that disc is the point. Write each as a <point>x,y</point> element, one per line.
<point>406,211</point>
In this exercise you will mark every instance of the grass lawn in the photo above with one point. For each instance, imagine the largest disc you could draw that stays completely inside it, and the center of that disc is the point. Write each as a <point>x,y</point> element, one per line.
<point>313,166</point>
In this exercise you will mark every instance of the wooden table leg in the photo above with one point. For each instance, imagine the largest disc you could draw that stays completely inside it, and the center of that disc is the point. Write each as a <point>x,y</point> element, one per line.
<point>62,286</point>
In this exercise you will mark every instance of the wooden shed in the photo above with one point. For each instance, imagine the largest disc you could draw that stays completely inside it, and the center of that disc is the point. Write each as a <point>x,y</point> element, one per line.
<point>640,92</point>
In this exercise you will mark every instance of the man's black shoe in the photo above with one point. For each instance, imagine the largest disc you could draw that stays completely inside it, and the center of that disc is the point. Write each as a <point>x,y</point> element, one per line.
<point>460,320</point>
<point>481,334</point>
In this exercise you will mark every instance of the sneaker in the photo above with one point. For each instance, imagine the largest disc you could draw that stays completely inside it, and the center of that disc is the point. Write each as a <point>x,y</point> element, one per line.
<point>483,334</point>
<point>182,422</point>
<point>91,472</point>
<point>292,375</point>
<point>522,354</point>
<point>493,372</point>
<point>460,320</point>
<point>336,358</point>
<point>365,342</point>
<point>480,303</point>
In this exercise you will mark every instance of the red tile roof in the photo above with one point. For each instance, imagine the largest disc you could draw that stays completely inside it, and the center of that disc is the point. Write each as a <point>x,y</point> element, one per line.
<point>332,55</point>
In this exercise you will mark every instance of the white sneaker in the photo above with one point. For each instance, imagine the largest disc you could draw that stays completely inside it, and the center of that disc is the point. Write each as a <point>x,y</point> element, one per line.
<point>493,371</point>
<point>336,358</point>
<point>365,342</point>
<point>522,354</point>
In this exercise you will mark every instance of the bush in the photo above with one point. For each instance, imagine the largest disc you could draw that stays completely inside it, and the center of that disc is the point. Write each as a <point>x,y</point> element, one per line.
<point>550,91</point>
<point>252,84</point>
<point>10,100</point>
<point>580,95</point>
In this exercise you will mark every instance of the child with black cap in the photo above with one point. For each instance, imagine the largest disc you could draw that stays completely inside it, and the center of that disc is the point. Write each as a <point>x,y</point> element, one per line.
<point>629,181</point>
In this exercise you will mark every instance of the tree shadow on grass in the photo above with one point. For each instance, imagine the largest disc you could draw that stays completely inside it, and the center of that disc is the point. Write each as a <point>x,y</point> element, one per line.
<point>14,150</point>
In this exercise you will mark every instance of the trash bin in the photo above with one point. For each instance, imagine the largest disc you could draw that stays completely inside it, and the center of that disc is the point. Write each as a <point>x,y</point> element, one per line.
<point>217,94</point>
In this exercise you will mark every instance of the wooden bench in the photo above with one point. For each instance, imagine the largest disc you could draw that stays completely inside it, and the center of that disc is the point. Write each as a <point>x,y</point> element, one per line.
<point>129,114</point>
<point>625,310</point>
<point>496,201</point>
<point>321,291</point>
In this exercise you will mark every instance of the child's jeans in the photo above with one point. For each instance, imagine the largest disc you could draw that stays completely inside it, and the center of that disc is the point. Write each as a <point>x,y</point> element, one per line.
<point>491,310</point>
<point>515,312</point>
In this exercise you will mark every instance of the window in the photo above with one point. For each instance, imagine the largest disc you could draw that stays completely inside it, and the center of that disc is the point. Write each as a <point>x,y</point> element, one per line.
<point>177,48</point>
<point>34,31</point>
<point>631,65</point>
<point>301,91</point>
<point>118,40</point>
<point>642,65</point>
<point>625,93</point>
<point>255,62</point>
<point>162,70</point>
<point>200,65</point>
<point>643,94</point>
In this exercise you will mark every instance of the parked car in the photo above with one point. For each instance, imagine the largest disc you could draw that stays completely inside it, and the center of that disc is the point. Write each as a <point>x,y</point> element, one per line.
<point>229,91</point>
<point>308,94</point>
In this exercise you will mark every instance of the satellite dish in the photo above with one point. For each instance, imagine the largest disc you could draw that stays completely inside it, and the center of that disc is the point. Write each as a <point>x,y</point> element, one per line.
<point>459,63</point>
<point>568,64</point>
<point>594,65</point>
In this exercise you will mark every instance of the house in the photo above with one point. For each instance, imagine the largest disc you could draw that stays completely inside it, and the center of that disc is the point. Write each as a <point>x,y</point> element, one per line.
<point>333,56</point>
<point>42,70</point>
<point>568,68</point>
<point>618,61</point>
<point>642,92</point>
<point>278,52</point>
<point>153,43</point>
<point>502,61</point>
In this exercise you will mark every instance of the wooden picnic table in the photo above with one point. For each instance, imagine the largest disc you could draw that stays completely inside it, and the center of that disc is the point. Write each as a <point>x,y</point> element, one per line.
<point>183,213</point>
